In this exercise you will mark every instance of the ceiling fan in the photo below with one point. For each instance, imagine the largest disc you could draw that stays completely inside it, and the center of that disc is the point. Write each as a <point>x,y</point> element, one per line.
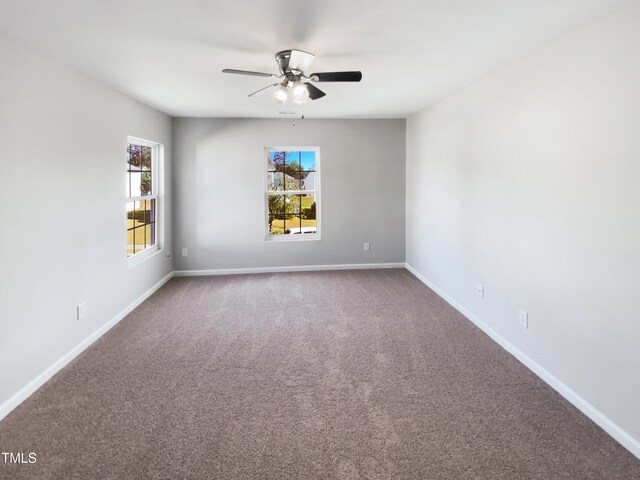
<point>293,65</point>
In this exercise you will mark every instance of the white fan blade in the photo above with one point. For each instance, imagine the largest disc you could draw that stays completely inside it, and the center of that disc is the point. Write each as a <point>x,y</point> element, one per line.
<point>300,60</point>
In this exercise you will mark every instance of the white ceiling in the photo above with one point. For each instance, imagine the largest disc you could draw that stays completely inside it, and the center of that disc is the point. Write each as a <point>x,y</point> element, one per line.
<point>170,53</point>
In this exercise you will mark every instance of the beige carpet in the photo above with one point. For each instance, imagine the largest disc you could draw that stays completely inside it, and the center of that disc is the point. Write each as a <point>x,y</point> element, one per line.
<point>322,375</point>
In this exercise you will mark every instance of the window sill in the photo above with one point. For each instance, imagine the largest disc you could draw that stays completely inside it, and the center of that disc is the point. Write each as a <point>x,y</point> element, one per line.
<point>292,238</point>
<point>138,258</point>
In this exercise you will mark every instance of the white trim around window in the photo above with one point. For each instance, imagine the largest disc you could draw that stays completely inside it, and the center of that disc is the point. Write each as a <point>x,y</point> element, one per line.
<point>143,199</point>
<point>301,220</point>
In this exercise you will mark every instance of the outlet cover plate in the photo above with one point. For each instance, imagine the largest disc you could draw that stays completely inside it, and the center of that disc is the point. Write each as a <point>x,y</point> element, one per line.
<point>523,318</point>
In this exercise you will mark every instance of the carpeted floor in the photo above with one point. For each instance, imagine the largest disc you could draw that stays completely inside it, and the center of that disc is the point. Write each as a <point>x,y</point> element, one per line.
<point>321,375</point>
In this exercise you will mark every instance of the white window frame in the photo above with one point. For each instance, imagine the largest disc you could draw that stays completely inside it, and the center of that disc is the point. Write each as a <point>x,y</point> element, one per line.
<point>292,237</point>
<point>157,151</point>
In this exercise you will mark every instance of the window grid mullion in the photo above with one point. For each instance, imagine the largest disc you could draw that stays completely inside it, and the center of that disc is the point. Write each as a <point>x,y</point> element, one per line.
<point>288,192</point>
<point>141,199</point>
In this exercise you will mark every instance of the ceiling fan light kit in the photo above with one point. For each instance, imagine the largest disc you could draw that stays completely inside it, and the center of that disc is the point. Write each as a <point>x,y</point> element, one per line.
<point>280,94</point>
<point>292,65</point>
<point>300,92</point>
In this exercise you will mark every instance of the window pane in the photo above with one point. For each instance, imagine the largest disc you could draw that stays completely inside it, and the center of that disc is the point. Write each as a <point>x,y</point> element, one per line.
<point>135,160</point>
<point>284,169</point>
<point>309,226</point>
<point>134,182</point>
<point>292,182</point>
<point>138,239</point>
<point>277,161</point>
<point>140,163</point>
<point>276,204</point>
<point>291,214</point>
<point>308,206</point>
<point>307,180</point>
<point>145,205</point>
<point>137,214</point>
<point>276,224</point>
<point>145,156</point>
<point>305,221</point>
<point>293,163</point>
<point>141,232</point>
<point>130,225</point>
<point>293,226</point>
<point>292,171</point>
<point>277,214</point>
<point>131,212</point>
<point>308,160</point>
<point>145,183</point>
<point>130,207</point>
<point>275,181</point>
<point>292,204</point>
<point>279,181</point>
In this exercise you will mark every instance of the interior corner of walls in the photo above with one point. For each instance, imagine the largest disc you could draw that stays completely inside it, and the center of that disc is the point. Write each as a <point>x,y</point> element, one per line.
<point>34,384</point>
<point>598,417</point>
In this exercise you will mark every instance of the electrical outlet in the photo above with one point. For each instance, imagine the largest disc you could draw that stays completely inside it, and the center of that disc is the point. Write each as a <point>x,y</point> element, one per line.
<point>480,290</point>
<point>81,311</point>
<point>366,246</point>
<point>184,252</point>
<point>523,318</point>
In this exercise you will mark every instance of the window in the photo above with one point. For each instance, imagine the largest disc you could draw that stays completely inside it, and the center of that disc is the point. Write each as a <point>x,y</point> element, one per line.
<point>292,197</point>
<point>142,198</point>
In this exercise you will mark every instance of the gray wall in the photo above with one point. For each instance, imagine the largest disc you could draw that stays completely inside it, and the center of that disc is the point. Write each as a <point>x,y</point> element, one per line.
<point>219,193</point>
<point>527,182</point>
<point>63,143</point>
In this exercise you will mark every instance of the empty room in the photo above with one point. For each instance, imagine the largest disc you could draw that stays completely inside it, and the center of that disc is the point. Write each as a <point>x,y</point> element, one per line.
<point>294,239</point>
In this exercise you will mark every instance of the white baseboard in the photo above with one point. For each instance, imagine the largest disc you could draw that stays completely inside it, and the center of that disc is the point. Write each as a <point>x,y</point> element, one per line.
<point>26,391</point>
<point>620,435</point>
<point>301,268</point>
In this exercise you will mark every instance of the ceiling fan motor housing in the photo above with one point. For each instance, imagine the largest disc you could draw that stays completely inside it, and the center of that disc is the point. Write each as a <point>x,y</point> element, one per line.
<point>283,61</point>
